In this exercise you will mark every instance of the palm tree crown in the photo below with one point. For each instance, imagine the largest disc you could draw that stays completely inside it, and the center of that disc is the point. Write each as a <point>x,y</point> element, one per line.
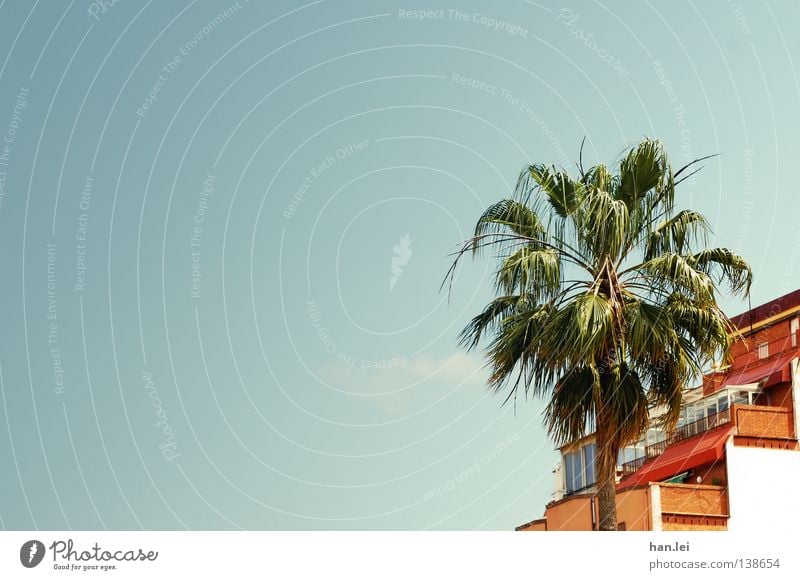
<point>606,299</point>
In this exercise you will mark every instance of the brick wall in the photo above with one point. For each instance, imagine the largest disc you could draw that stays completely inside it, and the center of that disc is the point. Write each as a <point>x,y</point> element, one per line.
<point>769,422</point>
<point>788,444</point>
<point>693,523</point>
<point>712,383</point>
<point>693,499</point>
<point>747,347</point>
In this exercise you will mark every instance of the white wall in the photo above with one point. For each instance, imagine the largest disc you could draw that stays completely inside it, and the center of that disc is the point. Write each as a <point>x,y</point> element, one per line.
<point>763,487</point>
<point>560,484</point>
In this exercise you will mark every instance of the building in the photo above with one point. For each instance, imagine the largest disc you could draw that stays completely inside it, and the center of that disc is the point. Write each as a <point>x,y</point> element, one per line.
<point>731,463</point>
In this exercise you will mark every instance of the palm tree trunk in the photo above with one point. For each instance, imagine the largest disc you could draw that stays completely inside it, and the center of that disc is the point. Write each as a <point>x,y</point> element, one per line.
<point>607,500</point>
<point>606,465</point>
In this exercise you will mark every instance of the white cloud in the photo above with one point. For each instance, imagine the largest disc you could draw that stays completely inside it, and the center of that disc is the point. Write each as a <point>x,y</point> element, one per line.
<point>400,384</point>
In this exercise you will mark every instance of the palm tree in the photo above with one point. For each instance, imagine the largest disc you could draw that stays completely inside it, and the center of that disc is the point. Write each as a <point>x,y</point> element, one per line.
<point>606,300</point>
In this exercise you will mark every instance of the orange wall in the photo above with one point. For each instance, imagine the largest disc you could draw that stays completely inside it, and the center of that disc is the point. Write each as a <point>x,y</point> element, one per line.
<point>573,513</point>
<point>633,509</point>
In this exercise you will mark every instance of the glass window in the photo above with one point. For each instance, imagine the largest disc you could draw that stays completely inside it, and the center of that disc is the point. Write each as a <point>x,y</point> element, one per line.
<point>711,413</point>
<point>795,327</point>
<point>763,350</point>
<point>579,468</point>
<point>626,454</point>
<point>569,473</point>
<point>630,453</point>
<point>741,398</point>
<point>691,417</point>
<point>588,461</point>
<point>574,471</point>
<point>654,436</point>
<point>722,402</point>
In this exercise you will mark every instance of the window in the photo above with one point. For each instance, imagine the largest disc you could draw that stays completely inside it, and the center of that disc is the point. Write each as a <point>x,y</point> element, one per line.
<point>579,468</point>
<point>691,417</point>
<point>741,398</point>
<point>631,452</point>
<point>574,471</point>
<point>711,413</point>
<point>651,437</point>
<point>795,326</point>
<point>626,454</point>
<point>763,350</point>
<point>588,463</point>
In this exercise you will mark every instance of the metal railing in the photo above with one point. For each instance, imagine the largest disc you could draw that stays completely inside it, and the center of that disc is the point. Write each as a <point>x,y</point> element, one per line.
<point>676,436</point>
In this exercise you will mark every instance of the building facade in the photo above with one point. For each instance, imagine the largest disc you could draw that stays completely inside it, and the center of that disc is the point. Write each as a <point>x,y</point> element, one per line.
<point>732,459</point>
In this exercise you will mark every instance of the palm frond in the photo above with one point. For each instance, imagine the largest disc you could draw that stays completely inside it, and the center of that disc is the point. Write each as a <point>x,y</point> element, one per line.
<point>570,413</point>
<point>644,169</point>
<point>676,234</point>
<point>674,271</point>
<point>490,318</point>
<point>509,215</point>
<point>726,266</point>
<point>563,194</point>
<point>531,270</point>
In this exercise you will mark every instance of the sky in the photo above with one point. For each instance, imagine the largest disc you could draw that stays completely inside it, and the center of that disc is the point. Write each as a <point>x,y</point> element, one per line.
<point>224,227</point>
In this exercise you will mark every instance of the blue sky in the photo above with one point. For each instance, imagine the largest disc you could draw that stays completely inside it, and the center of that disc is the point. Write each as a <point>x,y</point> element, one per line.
<point>224,227</point>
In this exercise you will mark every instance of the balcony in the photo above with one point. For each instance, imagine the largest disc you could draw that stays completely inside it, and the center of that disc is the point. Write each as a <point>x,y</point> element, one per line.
<point>682,433</point>
<point>764,427</point>
<point>694,500</point>
<point>688,507</point>
<point>755,426</point>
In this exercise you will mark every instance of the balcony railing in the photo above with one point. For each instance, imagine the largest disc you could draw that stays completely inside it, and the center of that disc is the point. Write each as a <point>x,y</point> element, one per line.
<point>629,467</point>
<point>680,434</point>
<point>764,422</point>
<point>703,500</point>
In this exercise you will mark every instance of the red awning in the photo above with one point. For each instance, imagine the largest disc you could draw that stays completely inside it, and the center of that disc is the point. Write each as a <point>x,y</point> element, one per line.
<point>697,451</point>
<point>754,372</point>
